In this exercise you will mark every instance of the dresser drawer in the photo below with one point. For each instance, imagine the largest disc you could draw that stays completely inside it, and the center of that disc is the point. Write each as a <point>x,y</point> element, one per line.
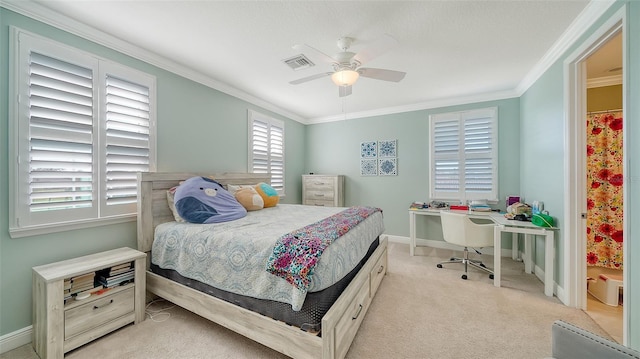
<point>319,183</point>
<point>97,312</point>
<point>378,272</point>
<point>319,195</point>
<point>325,203</point>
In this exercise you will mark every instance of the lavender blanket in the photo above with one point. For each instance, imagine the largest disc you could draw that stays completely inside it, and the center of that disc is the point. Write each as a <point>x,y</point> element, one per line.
<point>296,254</point>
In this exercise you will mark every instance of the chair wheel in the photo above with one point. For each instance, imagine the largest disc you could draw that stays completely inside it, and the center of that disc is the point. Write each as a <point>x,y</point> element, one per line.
<point>490,276</point>
<point>452,258</point>
<point>464,276</point>
<point>439,265</point>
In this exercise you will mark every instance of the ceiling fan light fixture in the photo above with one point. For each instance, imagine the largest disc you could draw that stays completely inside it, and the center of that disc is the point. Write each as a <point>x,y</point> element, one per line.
<point>345,77</point>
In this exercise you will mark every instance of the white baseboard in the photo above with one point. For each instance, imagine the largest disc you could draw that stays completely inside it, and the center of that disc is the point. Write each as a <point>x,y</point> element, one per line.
<point>15,339</point>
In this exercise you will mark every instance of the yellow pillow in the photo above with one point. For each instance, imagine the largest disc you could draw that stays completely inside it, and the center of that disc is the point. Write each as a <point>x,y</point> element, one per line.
<point>268,194</point>
<point>249,198</point>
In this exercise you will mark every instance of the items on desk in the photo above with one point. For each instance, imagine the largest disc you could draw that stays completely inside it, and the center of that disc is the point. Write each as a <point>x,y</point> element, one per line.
<point>512,199</point>
<point>437,204</point>
<point>542,219</point>
<point>519,208</point>
<point>458,207</point>
<point>418,205</point>
<point>537,207</point>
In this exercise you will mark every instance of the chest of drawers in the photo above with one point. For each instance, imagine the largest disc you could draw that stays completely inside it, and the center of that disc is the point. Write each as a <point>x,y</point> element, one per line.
<point>323,190</point>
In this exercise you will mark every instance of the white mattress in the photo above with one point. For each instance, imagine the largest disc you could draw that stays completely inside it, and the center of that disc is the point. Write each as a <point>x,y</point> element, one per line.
<point>232,256</point>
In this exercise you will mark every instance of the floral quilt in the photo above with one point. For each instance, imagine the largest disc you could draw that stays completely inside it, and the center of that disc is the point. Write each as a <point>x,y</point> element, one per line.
<point>296,254</point>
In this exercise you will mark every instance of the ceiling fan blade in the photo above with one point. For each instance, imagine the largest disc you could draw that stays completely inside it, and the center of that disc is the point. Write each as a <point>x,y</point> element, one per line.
<point>382,74</point>
<point>377,48</point>
<point>309,78</point>
<point>314,53</point>
<point>344,91</point>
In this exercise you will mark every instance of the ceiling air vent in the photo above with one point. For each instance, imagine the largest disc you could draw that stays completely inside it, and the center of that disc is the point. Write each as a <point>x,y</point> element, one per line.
<point>298,62</point>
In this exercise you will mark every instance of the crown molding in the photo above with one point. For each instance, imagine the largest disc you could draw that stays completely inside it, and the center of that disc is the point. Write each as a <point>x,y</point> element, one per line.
<point>491,96</point>
<point>604,81</point>
<point>65,23</point>
<point>589,15</point>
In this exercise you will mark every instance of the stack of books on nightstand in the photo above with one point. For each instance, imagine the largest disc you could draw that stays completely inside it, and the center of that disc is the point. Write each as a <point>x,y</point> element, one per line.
<point>117,275</point>
<point>80,285</point>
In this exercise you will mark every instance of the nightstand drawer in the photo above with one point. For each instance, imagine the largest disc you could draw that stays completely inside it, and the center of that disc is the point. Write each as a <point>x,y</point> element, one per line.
<point>314,194</point>
<point>97,312</point>
<point>320,183</point>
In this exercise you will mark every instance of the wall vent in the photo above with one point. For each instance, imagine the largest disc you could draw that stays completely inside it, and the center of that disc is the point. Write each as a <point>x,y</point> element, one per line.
<point>298,62</point>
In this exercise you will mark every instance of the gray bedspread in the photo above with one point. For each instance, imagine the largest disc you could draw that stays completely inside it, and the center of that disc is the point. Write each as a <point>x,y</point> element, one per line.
<point>232,256</point>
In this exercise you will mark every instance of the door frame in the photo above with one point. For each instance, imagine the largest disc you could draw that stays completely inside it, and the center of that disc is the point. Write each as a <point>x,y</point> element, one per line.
<point>575,83</point>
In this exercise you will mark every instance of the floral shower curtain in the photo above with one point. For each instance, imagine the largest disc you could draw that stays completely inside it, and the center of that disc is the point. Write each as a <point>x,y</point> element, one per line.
<point>604,190</point>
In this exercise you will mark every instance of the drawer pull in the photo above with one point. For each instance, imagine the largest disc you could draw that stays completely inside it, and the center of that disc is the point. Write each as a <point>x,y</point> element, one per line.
<point>102,306</point>
<point>380,269</point>
<point>358,313</point>
<point>319,195</point>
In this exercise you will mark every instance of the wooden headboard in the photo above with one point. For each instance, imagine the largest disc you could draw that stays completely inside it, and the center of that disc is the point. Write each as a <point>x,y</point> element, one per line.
<point>152,197</point>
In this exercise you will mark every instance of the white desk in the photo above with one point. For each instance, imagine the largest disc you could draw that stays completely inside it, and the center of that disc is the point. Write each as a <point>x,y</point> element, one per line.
<point>504,225</point>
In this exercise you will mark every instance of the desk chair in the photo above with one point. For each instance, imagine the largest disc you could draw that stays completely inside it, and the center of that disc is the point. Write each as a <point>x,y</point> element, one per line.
<point>459,229</point>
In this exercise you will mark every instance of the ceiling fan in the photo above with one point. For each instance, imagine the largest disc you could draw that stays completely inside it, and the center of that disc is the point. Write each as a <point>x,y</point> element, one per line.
<point>347,65</point>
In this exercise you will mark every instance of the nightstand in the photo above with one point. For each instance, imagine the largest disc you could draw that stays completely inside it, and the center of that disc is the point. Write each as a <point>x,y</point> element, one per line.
<point>61,325</point>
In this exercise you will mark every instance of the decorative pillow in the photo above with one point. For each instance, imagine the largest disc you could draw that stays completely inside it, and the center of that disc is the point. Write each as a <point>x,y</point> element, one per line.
<point>268,194</point>
<point>233,188</point>
<point>170,201</point>
<point>249,198</point>
<point>203,200</point>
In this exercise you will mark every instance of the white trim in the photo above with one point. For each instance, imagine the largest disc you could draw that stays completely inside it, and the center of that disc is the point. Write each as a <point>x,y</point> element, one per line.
<point>591,13</point>
<point>47,16</point>
<point>604,81</point>
<point>15,339</point>
<point>587,17</point>
<point>575,85</point>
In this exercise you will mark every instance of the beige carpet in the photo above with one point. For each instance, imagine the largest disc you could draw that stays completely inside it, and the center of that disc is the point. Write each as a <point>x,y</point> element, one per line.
<point>420,311</point>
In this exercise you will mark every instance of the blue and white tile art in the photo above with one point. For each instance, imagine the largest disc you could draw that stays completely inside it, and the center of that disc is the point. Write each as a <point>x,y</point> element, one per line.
<point>369,149</point>
<point>369,167</point>
<point>387,149</point>
<point>388,167</point>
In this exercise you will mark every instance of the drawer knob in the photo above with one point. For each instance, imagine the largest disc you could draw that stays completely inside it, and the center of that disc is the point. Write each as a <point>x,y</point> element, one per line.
<point>319,195</point>
<point>358,313</point>
<point>380,269</point>
<point>102,306</point>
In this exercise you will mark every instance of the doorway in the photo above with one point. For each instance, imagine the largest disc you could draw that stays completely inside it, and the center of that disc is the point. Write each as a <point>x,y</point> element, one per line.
<point>578,81</point>
<point>604,186</point>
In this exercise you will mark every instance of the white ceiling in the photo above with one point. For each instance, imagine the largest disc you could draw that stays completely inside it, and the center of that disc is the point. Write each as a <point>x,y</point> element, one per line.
<point>449,49</point>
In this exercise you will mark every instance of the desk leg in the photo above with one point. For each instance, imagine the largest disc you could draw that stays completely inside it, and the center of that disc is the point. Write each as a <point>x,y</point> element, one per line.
<point>412,233</point>
<point>497,243</point>
<point>528,254</point>
<point>549,257</point>
<point>514,246</point>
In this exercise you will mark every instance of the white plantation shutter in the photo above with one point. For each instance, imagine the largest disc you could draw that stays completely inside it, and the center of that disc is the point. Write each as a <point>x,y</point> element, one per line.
<point>266,148</point>
<point>83,128</point>
<point>463,155</point>
<point>60,162</point>
<point>127,139</point>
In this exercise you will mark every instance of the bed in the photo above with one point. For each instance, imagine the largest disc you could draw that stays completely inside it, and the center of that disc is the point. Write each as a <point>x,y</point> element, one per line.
<point>339,323</point>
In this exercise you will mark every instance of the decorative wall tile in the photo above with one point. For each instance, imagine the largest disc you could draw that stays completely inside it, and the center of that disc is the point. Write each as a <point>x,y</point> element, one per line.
<point>388,167</point>
<point>387,149</point>
<point>369,149</point>
<point>369,167</point>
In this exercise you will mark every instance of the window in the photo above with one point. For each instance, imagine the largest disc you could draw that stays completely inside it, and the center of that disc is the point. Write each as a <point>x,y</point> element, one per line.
<point>266,148</point>
<point>463,155</point>
<point>83,127</point>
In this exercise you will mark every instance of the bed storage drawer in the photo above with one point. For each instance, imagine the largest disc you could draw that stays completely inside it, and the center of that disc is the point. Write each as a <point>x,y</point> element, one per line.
<point>378,272</point>
<point>348,325</point>
<point>97,312</point>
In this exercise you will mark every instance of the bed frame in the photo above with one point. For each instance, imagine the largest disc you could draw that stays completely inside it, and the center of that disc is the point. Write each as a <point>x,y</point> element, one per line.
<point>339,324</point>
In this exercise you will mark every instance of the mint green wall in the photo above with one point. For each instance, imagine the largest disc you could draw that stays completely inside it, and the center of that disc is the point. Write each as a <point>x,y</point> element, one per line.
<point>542,135</point>
<point>199,129</point>
<point>335,148</point>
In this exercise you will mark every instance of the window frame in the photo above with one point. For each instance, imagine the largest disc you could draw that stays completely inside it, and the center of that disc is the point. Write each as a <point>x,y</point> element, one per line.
<point>22,221</point>
<point>270,122</point>
<point>464,156</point>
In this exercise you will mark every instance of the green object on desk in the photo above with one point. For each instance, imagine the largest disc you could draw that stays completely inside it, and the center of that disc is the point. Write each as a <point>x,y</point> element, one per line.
<point>542,220</point>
